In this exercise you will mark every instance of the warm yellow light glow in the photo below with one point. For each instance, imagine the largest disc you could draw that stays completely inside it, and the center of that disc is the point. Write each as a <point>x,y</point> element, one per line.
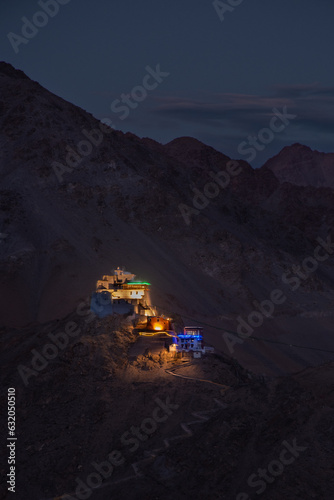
<point>158,327</point>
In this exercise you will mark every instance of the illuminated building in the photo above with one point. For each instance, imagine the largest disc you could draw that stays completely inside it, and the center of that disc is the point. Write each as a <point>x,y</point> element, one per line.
<point>158,323</point>
<point>191,340</point>
<point>120,288</point>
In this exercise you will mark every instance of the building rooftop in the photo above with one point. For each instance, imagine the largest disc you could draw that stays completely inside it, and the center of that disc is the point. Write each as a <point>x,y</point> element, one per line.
<point>138,283</point>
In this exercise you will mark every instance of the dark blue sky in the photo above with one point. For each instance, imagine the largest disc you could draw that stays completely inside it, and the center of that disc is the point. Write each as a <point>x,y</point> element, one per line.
<point>225,77</point>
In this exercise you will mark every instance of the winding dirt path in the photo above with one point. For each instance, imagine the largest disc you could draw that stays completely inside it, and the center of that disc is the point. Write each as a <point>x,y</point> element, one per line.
<point>171,371</point>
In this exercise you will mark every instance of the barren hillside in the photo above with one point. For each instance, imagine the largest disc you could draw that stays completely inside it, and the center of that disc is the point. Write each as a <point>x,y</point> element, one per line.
<point>67,217</point>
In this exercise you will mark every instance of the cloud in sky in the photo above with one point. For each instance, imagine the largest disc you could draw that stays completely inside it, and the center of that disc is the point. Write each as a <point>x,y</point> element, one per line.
<point>224,120</point>
<point>225,77</point>
<point>237,116</point>
<point>313,104</point>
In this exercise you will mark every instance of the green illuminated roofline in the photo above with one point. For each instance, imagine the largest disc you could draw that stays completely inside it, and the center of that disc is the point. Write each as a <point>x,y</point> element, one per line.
<point>138,283</point>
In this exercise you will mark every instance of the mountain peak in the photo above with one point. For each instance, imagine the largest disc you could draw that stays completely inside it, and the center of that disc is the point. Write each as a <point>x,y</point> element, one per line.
<point>192,151</point>
<point>300,165</point>
<point>186,141</point>
<point>9,70</point>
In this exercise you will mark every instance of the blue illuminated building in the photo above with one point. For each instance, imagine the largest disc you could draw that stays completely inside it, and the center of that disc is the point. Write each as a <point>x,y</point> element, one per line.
<point>191,339</point>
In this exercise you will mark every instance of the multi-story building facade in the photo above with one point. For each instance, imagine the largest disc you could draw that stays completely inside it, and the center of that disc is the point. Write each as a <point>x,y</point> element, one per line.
<point>123,289</point>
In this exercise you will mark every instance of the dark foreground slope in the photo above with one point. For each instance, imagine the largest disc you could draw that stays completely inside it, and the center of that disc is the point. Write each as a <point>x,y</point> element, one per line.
<point>197,440</point>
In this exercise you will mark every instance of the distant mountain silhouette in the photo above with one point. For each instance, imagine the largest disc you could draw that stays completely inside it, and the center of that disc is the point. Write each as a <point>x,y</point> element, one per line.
<point>300,165</point>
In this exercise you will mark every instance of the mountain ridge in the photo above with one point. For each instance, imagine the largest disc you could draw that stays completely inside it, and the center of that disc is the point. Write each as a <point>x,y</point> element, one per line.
<point>300,165</point>
<point>120,205</point>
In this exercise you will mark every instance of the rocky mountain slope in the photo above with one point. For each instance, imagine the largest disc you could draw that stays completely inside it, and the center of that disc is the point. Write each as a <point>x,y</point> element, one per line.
<point>300,165</point>
<point>210,442</point>
<point>77,199</point>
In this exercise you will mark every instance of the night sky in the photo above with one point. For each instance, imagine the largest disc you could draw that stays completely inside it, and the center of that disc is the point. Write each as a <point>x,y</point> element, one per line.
<point>222,77</point>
